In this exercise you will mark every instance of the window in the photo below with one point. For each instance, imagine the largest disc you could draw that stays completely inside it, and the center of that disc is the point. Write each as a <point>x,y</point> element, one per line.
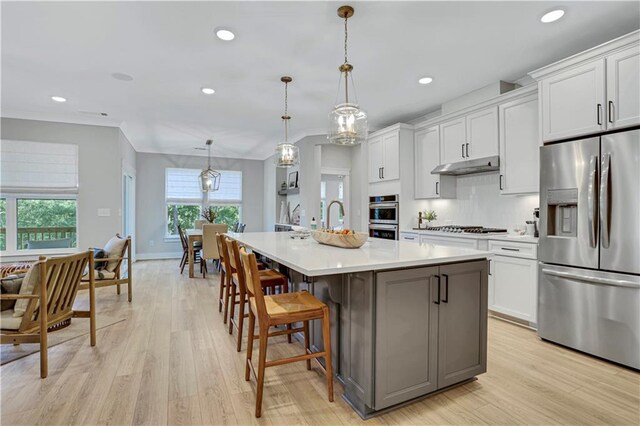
<point>38,208</point>
<point>184,199</point>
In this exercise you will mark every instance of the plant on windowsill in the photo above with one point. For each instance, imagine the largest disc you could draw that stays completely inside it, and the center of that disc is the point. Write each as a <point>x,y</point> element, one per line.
<point>209,215</point>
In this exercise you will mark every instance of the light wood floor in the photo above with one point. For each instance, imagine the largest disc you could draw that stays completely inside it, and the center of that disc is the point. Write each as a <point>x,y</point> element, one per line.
<point>173,362</point>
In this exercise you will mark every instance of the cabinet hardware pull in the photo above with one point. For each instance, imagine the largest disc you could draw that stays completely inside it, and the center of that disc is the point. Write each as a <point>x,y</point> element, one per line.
<point>437,301</point>
<point>467,150</point>
<point>501,188</point>
<point>509,249</point>
<point>610,112</point>
<point>437,190</point>
<point>409,238</point>
<point>490,266</point>
<point>599,111</point>
<point>462,150</point>
<point>379,172</point>
<point>446,288</point>
<point>383,173</point>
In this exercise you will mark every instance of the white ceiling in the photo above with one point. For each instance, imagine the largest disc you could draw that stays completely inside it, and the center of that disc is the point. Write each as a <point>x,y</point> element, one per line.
<point>71,50</point>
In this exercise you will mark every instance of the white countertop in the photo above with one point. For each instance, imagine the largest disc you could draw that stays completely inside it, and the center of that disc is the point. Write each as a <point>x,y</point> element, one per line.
<point>311,258</point>
<point>499,237</point>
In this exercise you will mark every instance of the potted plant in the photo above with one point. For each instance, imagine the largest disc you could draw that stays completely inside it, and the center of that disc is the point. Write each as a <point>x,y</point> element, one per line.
<point>429,216</point>
<point>209,215</point>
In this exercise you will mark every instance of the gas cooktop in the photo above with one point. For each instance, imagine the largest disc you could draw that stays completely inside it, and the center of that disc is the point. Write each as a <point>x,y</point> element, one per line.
<point>466,228</point>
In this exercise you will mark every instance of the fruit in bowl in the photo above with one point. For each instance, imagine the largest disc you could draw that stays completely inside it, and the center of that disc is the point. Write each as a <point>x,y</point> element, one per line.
<point>346,238</point>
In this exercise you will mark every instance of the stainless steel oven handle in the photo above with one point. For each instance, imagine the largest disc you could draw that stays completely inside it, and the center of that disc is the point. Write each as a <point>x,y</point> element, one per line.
<point>605,200</point>
<point>592,201</point>
<point>389,227</point>
<point>590,279</point>
<point>383,206</point>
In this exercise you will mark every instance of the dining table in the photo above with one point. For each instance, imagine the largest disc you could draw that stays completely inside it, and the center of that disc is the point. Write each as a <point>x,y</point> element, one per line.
<point>193,235</point>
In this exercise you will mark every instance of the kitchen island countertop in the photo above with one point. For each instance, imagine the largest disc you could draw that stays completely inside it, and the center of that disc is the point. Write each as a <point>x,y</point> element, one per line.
<point>313,259</point>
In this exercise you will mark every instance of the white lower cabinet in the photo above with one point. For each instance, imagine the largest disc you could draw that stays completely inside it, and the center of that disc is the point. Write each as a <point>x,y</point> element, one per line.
<point>412,237</point>
<point>513,280</point>
<point>449,241</point>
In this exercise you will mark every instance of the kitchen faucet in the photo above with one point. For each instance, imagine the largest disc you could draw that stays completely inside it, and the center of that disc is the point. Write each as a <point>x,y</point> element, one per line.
<point>329,211</point>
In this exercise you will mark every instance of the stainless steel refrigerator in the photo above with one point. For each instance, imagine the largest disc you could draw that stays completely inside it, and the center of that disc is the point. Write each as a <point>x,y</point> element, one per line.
<point>589,247</point>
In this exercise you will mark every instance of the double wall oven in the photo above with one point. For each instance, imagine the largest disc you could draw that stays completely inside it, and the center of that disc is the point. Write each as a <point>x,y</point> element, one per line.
<point>384,217</point>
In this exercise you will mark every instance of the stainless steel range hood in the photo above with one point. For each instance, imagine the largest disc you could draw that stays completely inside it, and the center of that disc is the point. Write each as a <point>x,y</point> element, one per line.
<point>479,165</point>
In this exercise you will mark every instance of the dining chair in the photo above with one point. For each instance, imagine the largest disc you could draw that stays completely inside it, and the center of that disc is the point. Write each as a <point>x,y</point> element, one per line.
<point>185,250</point>
<point>209,249</point>
<point>199,223</point>
<point>279,309</point>
<point>269,280</point>
<point>240,227</point>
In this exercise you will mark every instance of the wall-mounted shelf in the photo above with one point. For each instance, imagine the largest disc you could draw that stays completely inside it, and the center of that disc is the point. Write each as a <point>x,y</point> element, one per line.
<point>289,191</point>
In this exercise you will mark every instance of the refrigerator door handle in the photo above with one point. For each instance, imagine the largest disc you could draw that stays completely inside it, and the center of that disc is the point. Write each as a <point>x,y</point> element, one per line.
<point>590,279</point>
<point>605,200</point>
<point>592,201</point>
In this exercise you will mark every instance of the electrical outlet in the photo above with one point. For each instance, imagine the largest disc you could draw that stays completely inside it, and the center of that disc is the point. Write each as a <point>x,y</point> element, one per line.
<point>151,243</point>
<point>104,212</point>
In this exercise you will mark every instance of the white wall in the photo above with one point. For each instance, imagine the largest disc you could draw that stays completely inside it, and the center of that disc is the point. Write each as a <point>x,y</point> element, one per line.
<point>270,187</point>
<point>100,170</point>
<point>150,197</point>
<point>479,202</point>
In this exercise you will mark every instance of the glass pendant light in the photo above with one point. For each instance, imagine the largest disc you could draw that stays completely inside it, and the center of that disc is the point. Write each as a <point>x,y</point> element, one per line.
<point>209,178</point>
<point>347,122</point>
<point>287,154</point>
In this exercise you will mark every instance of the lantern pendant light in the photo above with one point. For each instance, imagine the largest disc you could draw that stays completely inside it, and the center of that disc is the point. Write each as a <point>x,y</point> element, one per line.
<point>287,154</point>
<point>209,178</point>
<point>347,122</point>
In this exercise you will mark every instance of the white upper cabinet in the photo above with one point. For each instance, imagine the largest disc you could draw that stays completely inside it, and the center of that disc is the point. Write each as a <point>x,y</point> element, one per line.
<point>573,102</point>
<point>384,154</point>
<point>427,157</point>
<point>375,159</point>
<point>391,156</point>
<point>593,91</point>
<point>453,135</point>
<point>623,88</point>
<point>482,134</point>
<point>519,145</point>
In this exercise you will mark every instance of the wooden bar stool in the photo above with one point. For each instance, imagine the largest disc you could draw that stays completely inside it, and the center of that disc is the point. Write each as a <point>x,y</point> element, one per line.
<point>222,251</point>
<point>269,280</point>
<point>278,309</point>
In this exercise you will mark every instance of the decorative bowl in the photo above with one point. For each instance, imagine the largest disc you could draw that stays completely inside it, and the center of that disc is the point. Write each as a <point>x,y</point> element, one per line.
<point>355,240</point>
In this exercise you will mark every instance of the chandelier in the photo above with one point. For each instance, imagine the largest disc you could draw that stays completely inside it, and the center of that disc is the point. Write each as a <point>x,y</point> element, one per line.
<point>287,154</point>
<point>209,178</point>
<point>347,122</point>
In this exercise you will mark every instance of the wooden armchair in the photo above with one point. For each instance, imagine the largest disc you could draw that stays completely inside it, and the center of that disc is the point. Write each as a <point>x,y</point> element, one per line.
<point>112,274</point>
<point>55,286</point>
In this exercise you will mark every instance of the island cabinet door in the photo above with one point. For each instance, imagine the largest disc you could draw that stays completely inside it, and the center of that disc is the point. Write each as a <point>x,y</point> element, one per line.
<point>462,322</point>
<point>406,335</point>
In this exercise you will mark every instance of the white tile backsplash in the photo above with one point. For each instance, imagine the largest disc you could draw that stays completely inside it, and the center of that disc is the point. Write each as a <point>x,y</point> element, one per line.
<point>479,202</point>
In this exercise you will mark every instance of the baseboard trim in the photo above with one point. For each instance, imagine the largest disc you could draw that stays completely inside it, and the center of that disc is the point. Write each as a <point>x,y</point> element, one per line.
<point>158,256</point>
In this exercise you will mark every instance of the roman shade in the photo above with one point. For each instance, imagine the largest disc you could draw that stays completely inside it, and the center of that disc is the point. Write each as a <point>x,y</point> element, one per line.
<point>182,186</point>
<point>38,167</point>
<point>230,187</point>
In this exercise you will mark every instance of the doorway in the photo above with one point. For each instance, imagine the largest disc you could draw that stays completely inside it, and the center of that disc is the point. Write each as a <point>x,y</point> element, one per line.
<point>129,210</point>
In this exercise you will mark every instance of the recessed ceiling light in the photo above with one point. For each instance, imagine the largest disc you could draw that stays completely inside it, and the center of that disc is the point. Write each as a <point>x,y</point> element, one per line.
<point>225,34</point>
<point>121,76</point>
<point>552,16</point>
<point>58,99</point>
<point>425,80</point>
<point>208,91</point>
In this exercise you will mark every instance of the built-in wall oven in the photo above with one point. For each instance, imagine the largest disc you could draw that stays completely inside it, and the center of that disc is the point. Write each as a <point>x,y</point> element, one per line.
<point>384,217</point>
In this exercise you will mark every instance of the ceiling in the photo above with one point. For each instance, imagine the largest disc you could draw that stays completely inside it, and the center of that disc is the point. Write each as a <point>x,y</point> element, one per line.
<point>71,49</point>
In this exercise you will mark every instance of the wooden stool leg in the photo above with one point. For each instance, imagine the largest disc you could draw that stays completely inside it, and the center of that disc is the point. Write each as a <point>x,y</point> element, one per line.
<point>252,324</point>
<point>227,294</point>
<point>118,289</point>
<point>129,289</point>
<point>262,359</point>
<point>326,338</point>
<point>232,307</point>
<point>220,298</point>
<point>306,342</point>
<point>289,339</point>
<point>240,320</point>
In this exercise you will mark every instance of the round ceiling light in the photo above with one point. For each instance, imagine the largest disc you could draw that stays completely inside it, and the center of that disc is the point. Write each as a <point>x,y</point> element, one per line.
<point>552,16</point>
<point>425,80</point>
<point>121,76</point>
<point>225,34</point>
<point>208,91</point>
<point>58,99</point>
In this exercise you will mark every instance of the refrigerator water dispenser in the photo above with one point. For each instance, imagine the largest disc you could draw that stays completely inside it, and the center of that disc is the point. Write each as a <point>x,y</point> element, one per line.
<point>562,212</point>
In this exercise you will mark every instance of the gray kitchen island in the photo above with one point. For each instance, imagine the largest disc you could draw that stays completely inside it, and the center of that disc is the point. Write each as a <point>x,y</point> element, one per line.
<point>407,319</point>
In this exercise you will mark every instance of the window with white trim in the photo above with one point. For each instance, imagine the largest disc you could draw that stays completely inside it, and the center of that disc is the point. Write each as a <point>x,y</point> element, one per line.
<point>185,200</point>
<point>38,190</point>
